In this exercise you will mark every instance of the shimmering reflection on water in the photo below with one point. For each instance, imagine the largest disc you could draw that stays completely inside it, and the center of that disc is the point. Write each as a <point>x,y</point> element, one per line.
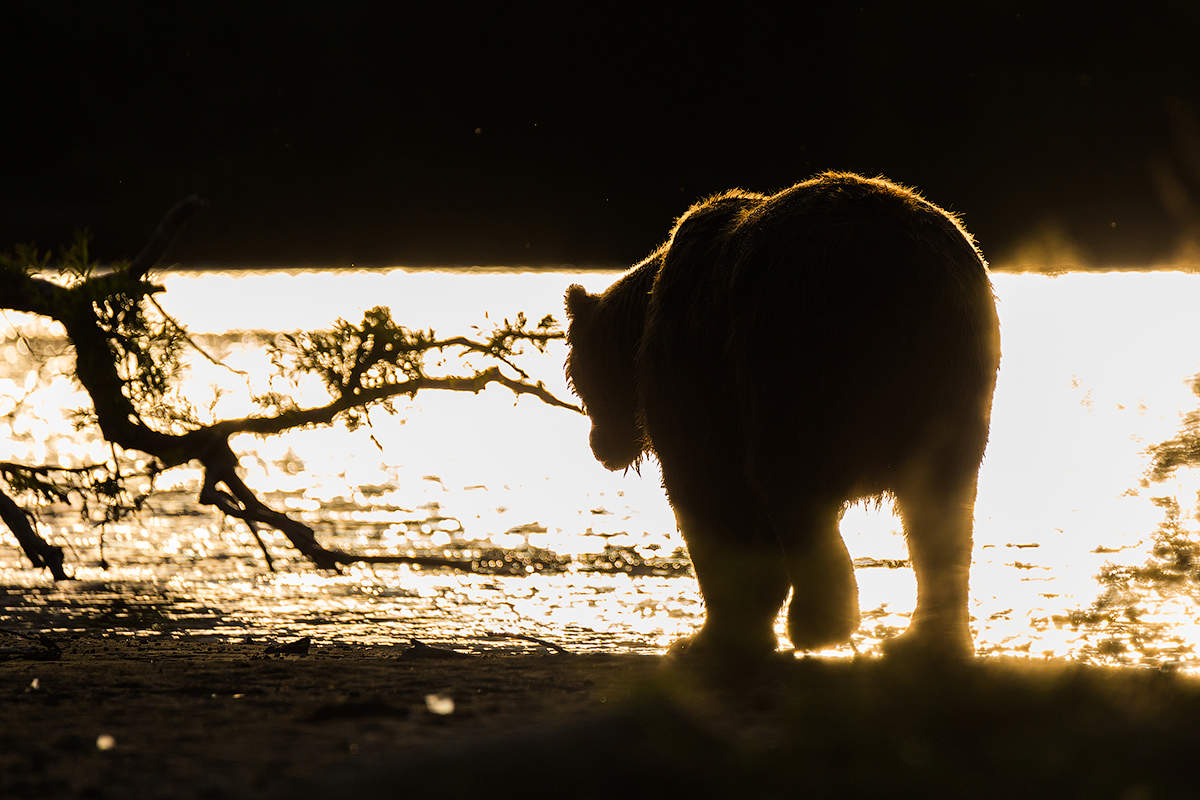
<point>1095,370</point>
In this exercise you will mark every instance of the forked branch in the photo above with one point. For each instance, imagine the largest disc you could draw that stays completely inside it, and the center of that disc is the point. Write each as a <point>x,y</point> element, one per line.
<point>128,362</point>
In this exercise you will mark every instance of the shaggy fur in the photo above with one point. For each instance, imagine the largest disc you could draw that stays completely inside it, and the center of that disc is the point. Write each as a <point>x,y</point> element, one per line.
<point>784,356</point>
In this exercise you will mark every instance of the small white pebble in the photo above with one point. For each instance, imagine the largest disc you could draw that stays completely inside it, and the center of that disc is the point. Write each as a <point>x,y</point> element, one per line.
<point>105,742</point>
<point>35,684</point>
<point>440,704</point>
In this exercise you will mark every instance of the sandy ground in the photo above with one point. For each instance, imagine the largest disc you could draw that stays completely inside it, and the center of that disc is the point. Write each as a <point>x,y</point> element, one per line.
<point>195,718</point>
<point>191,717</point>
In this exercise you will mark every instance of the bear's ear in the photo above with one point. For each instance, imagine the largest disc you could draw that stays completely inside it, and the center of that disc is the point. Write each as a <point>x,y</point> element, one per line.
<point>579,302</point>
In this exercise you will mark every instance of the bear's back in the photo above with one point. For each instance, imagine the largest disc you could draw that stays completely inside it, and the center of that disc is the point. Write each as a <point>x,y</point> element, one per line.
<point>880,236</point>
<point>839,264</point>
<point>837,309</point>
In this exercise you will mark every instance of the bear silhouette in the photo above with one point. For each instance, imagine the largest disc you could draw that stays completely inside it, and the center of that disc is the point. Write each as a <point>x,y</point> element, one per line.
<point>786,355</point>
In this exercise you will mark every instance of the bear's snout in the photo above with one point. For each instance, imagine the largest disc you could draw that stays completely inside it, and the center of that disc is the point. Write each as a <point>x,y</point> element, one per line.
<point>614,453</point>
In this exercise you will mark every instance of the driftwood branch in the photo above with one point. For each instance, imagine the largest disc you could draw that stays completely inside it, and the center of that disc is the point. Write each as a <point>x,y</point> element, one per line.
<point>40,552</point>
<point>239,501</point>
<point>93,312</point>
<point>323,415</point>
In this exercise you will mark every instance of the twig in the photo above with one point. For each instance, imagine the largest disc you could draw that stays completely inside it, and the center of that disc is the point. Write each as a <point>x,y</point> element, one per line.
<point>253,526</point>
<point>24,340</point>
<point>562,651</point>
<point>188,338</point>
<point>164,235</point>
<point>472,346</point>
<point>43,469</point>
<point>371,429</point>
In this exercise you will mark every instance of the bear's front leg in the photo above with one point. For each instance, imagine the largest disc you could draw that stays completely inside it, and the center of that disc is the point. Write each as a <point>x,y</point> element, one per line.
<point>742,578</point>
<point>824,609</point>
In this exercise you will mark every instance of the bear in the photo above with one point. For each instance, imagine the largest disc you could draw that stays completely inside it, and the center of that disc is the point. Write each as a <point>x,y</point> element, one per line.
<point>784,356</point>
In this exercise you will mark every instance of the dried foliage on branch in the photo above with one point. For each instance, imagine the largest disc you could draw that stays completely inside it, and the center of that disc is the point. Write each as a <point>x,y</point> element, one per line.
<point>1180,451</point>
<point>129,359</point>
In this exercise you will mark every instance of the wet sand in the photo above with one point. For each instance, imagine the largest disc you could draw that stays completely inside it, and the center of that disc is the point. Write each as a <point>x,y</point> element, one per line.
<point>193,717</point>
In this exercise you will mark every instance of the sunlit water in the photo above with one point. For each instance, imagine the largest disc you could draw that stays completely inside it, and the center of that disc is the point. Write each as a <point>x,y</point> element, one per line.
<point>1096,368</point>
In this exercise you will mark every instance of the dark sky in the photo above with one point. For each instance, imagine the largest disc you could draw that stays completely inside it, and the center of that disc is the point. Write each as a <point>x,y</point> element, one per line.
<point>334,133</point>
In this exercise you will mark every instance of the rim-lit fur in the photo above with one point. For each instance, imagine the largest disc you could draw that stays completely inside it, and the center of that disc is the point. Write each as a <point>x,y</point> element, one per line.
<point>604,334</point>
<point>784,355</point>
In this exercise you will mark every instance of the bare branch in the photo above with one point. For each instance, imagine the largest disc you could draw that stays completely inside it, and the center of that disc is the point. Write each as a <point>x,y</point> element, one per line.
<point>39,552</point>
<point>323,415</point>
<point>192,342</point>
<point>163,236</point>
<point>261,545</point>
<point>23,292</point>
<point>240,503</point>
<point>46,469</point>
<point>489,348</point>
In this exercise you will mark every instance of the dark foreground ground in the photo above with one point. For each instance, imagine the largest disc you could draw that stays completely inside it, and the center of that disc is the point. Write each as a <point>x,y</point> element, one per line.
<point>192,718</point>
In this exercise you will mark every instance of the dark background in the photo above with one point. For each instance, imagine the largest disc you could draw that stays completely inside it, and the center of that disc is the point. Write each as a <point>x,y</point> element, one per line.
<point>331,134</point>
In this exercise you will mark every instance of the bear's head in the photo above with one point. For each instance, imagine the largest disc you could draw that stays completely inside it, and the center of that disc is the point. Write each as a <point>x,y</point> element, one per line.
<point>600,368</point>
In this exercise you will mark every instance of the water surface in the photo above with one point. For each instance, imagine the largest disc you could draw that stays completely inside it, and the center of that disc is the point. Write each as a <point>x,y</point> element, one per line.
<point>1096,368</point>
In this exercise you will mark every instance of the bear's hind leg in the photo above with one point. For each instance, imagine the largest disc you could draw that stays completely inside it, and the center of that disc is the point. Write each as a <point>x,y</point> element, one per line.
<point>824,607</point>
<point>938,520</point>
<point>742,578</point>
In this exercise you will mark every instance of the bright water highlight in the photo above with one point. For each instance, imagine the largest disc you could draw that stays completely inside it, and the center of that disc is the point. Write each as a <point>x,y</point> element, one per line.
<point>1096,368</point>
